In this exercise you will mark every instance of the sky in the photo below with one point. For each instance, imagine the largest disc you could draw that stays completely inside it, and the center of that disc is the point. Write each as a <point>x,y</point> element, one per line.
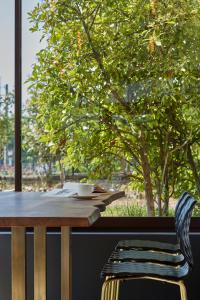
<point>30,44</point>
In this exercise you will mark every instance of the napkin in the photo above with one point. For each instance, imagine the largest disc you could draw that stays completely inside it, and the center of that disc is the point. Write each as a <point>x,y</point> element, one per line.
<point>59,193</point>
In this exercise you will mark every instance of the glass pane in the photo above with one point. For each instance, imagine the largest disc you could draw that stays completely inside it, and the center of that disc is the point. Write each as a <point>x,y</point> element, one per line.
<point>114,99</point>
<point>30,46</point>
<point>7,95</point>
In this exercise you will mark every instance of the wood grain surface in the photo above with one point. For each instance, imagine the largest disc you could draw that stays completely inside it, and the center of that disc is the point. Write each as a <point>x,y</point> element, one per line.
<point>34,209</point>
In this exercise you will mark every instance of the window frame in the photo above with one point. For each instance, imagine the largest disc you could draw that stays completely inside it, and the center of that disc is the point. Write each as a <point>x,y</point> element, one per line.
<point>18,94</point>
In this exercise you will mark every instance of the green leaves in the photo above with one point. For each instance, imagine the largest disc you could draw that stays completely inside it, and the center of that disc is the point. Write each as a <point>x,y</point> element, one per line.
<point>110,70</point>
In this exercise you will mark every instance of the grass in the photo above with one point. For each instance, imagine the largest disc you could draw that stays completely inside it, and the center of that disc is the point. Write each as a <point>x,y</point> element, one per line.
<point>196,210</point>
<point>132,210</point>
<point>136,210</point>
<point>127,210</point>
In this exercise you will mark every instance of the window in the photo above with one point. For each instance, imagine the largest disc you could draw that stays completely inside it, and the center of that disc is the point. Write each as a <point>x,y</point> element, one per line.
<point>31,44</point>
<point>7,95</point>
<point>116,89</point>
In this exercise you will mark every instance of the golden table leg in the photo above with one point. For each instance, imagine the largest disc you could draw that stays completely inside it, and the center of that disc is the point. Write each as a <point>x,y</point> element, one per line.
<point>39,263</point>
<point>65,264</point>
<point>18,263</point>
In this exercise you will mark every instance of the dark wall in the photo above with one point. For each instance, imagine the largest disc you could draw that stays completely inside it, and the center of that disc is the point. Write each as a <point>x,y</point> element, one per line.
<point>90,251</point>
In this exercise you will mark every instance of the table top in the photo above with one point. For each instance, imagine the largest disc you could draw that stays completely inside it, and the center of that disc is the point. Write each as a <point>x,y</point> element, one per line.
<point>35,209</point>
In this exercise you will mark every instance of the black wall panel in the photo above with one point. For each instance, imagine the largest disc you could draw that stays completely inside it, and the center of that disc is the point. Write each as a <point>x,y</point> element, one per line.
<point>90,251</point>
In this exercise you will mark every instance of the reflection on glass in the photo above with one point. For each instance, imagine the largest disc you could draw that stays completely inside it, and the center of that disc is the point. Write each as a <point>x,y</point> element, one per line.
<point>114,95</point>
<point>31,44</point>
<point>6,95</point>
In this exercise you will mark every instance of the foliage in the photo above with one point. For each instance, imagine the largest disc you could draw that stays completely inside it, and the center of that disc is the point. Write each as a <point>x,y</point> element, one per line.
<point>126,210</point>
<point>6,120</point>
<point>118,84</point>
<point>36,151</point>
<point>133,210</point>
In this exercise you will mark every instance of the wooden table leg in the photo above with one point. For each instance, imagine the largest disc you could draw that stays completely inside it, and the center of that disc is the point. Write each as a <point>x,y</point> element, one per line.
<point>65,264</point>
<point>18,254</point>
<point>39,263</point>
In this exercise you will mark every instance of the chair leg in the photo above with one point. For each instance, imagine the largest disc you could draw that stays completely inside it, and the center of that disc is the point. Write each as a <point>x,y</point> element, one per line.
<point>110,290</point>
<point>183,291</point>
<point>113,290</point>
<point>103,291</point>
<point>117,289</point>
<point>106,291</point>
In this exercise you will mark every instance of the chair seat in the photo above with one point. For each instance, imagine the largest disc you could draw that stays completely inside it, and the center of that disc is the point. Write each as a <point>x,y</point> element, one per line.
<point>145,244</point>
<point>134,269</point>
<point>147,255</point>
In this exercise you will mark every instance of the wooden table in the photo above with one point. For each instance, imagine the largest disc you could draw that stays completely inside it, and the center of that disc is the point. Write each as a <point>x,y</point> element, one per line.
<point>31,209</point>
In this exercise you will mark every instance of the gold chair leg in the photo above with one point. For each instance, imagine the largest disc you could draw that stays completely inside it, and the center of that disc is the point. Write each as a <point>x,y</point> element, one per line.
<point>115,293</point>
<point>106,293</point>
<point>117,289</point>
<point>183,291</point>
<point>110,289</point>
<point>114,285</point>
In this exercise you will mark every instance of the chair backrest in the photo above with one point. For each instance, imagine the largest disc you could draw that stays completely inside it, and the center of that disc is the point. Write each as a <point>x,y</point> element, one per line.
<point>180,201</point>
<point>182,229</point>
<point>180,204</point>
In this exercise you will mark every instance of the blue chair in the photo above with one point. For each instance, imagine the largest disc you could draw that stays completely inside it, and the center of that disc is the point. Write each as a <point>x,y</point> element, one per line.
<point>152,251</point>
<point>117,271</point>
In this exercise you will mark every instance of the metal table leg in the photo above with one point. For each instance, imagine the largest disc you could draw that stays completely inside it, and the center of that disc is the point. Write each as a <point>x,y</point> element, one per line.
<point>39,263</point>
<point>65,264</point>
<point>18,254</point>
<point>18,263</point>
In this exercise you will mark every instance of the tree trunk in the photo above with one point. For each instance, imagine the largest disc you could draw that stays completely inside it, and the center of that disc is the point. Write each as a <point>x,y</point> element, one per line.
<point>166,194</point>
<point>159,197</point>
<point>164,163</point>
<point>147,176</point>
<point>62,172</point>
<point>5,157</point>
<point>48,173</point>
<point>193,168</point>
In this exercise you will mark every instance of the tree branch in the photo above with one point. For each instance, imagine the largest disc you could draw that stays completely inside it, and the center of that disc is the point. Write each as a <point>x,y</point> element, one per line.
<point>97,57</point>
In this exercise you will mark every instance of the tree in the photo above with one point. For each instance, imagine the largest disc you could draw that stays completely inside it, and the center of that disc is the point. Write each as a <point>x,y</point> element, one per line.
<point>35,148</point>
<point>6,123</point>
<point>114,83</point>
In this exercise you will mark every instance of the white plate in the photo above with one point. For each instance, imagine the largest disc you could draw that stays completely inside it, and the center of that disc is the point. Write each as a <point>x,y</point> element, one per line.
<point>88,197</point>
